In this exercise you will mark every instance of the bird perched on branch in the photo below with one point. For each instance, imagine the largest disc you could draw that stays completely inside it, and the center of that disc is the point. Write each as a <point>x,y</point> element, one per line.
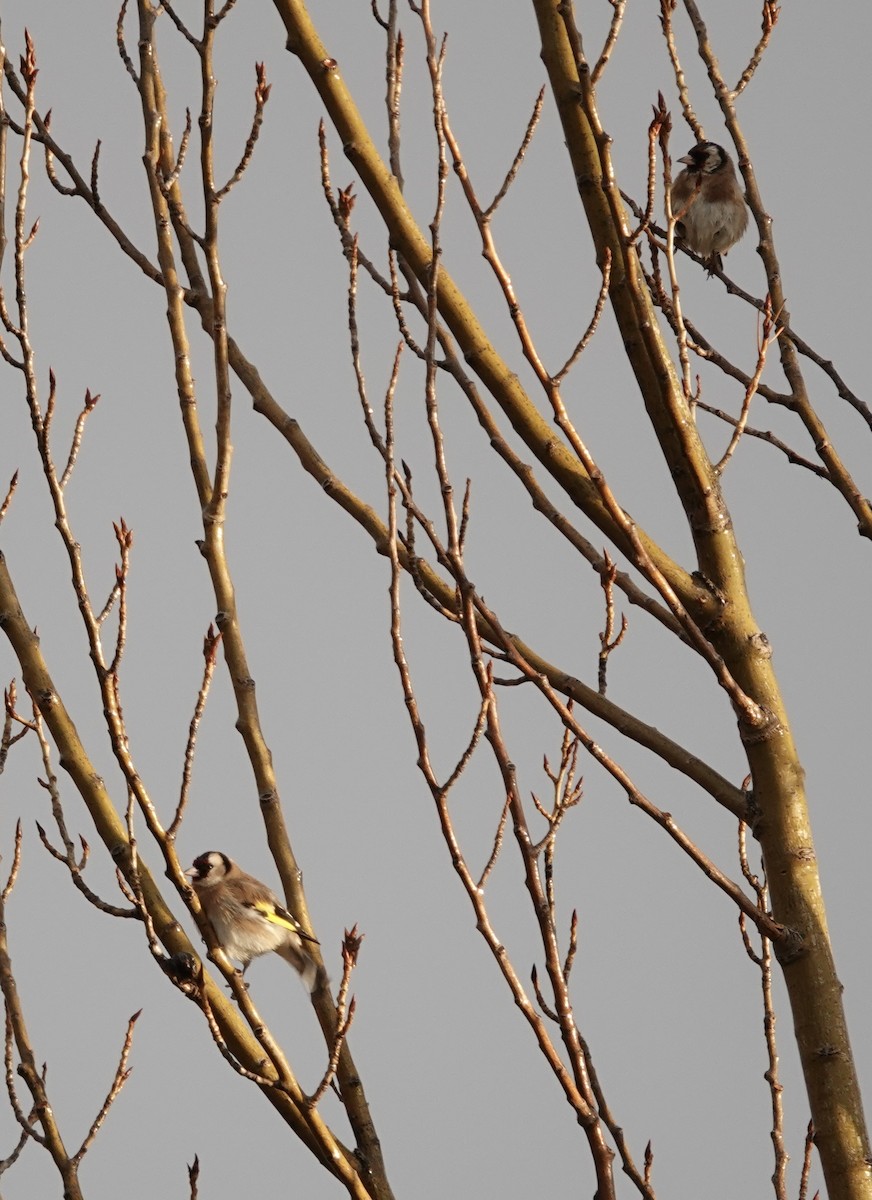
<point>715,216</point>
<point>248,919</point>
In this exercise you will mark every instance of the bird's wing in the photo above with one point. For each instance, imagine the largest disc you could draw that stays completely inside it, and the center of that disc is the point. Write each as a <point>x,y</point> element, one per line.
<point>276,915</point>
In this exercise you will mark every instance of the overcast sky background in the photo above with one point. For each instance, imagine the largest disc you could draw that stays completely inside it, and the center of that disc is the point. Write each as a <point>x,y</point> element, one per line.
<point>663,991</point>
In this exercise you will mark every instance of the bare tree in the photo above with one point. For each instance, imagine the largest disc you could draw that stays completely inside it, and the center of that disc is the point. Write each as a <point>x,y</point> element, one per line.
<point>529,404</point>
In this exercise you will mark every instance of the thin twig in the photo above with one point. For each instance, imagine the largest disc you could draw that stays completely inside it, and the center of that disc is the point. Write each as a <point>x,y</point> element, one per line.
<point>497,846</point>
<point>808,1153</point>
<point>122,1074</point>
<point>261,95</point>
<point>87,408</point>
<point>344,1015</point>
<point>609,641</point>
<point>512,173</point>
<point>618,7</point>
<point>667,8</point>
<point>766,335</point>
<point>771,13</point>
<point>586,337</point>
<point>194,1177</point>
<point>210,657</point>
<point>763,961</point>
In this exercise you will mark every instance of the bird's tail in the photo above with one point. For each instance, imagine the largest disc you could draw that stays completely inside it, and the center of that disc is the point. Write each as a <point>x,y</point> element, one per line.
<point>312,974</point>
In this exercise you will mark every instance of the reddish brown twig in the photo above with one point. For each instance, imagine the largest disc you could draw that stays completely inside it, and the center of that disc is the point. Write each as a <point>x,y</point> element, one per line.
<point>210,657</point>
<point>609,640</point>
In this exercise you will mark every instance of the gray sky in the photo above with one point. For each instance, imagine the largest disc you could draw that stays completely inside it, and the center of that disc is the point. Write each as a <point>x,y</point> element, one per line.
<point>663,991</point>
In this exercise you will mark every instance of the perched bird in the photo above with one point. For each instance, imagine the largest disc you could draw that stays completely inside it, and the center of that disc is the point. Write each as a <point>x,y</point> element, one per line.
<point>248,919</point>
<point>708,189</point>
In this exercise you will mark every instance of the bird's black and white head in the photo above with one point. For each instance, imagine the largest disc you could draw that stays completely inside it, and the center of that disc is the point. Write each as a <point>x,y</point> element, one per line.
<point>211,867</point>
<point>706,158</point>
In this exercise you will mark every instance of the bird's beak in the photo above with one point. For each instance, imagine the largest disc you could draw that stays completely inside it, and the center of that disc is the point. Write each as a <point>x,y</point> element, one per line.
<point>191,872</point>
<point>687,160</point>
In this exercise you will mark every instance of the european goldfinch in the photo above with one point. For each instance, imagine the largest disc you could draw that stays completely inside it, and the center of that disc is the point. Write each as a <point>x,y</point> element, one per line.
<point>716,215</point>
<point>248,919</point>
